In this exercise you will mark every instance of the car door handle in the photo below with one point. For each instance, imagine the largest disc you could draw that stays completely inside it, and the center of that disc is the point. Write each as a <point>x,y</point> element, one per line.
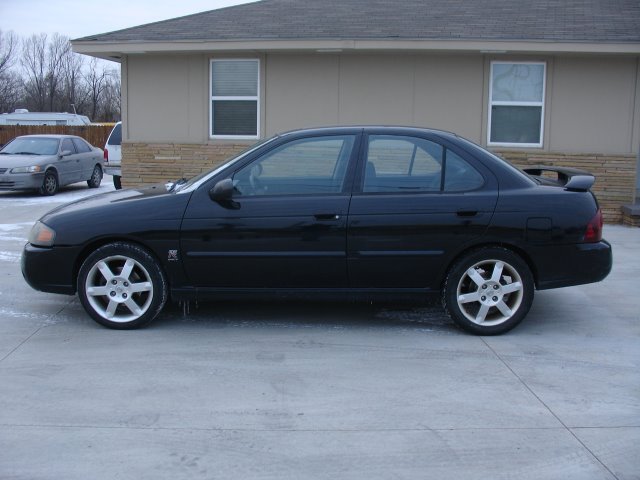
<point>467,213</point>
<point>327,216</point>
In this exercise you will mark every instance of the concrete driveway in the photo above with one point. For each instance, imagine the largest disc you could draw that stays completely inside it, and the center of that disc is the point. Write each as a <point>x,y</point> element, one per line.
<point>294,391</point>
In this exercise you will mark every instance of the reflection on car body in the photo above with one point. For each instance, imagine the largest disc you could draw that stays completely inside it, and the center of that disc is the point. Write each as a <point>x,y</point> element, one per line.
<point>334,213</point>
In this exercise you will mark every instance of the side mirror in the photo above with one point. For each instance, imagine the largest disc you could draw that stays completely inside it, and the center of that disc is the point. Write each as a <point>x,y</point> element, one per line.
<point>65,153</point>
<point>222,193</point>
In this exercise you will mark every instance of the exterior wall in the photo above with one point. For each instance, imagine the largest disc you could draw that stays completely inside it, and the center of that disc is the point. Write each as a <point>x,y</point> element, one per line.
<point>166,98</point>
<point>148,163</point>
<point>433,91</point>
<point>592,103</point>
<point>592,108</point>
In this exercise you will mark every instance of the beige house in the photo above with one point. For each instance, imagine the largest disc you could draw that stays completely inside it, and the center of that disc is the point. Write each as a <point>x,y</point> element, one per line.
<point>538,82</point>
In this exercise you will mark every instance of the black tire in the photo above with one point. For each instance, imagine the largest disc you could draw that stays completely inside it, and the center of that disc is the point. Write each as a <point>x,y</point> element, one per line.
<point>117,182</point>
<point>488,291</point>
<point>96,177</point>
<point>130,294</point>
<point>49,183</point>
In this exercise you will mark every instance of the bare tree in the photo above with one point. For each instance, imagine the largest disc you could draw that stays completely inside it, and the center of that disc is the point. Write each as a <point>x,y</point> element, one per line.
<point>96,80</point>
<point>58,49</point>
<point>74,89</point>
<point>10,82</point>
<point>111,99</point>
<point>8,48</point>
<point>52,77</point>
<point>34,64</point>
<point>11,91</point>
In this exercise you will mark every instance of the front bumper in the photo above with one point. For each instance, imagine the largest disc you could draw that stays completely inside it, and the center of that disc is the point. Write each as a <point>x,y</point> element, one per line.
<point>568,265</point>
<point>50,270</point>
<point>21,181</point>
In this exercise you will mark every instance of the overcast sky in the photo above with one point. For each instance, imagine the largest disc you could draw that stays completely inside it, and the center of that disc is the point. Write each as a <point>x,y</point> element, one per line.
<point>79,18</point>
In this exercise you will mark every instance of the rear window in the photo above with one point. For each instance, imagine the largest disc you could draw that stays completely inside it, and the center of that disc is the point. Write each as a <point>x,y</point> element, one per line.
<point>116,135</point>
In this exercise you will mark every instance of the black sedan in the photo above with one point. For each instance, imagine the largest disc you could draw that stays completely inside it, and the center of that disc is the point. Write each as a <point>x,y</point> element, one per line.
<point>350,212</point>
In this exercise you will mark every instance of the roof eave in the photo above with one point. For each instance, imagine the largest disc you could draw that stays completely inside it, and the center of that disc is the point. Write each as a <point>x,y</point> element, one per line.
<point>113,50</point>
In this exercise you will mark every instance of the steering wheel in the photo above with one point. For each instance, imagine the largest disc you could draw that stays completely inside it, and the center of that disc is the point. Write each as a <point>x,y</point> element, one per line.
<point>254,179</point>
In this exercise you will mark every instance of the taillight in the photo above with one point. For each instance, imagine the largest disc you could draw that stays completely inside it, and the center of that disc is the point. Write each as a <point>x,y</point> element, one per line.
<point>106,155</point>
<point>594,229</point>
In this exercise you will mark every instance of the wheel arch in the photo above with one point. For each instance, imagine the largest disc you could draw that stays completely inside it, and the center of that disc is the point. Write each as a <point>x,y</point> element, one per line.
<point>101,242</point>
<point>491,244</point>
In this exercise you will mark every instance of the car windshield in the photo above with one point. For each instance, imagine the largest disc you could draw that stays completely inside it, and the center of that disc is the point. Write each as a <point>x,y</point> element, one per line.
<point>198,179</point>
<point>31,146</point>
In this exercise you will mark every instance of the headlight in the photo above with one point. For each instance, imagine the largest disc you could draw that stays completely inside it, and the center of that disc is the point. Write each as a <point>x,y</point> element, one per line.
<point>41,235</point>
<point>32,169</point>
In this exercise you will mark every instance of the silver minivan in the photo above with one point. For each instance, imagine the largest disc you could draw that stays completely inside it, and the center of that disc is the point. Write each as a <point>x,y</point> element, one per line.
<point>113,155</point>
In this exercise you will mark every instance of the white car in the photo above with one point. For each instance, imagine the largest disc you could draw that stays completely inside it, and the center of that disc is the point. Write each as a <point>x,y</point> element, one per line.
<point>113,155</point>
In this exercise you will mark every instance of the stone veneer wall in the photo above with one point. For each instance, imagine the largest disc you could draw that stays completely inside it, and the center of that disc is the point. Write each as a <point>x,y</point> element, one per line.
<point>147,163</point>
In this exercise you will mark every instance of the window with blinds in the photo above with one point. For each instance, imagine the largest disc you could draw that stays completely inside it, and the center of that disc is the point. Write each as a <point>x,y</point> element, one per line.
<point>235,107</point>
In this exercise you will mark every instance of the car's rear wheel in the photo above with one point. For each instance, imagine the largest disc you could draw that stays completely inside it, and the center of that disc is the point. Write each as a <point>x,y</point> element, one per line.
<point>96,177</point>
<point>49,183</point>
<point>489,291</point>
<point>122,286</point>
<point>117,183</point>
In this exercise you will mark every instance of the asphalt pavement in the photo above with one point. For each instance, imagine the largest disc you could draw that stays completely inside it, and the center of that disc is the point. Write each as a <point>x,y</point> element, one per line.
<point>317,390</point>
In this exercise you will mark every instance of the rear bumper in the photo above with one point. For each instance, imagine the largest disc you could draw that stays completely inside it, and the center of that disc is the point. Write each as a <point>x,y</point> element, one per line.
<point>568,265</point>
<point>50,270</point>
<point>112,170</point>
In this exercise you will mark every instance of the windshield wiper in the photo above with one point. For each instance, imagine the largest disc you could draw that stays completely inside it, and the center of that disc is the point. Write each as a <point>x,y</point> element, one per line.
<point>176,184</point>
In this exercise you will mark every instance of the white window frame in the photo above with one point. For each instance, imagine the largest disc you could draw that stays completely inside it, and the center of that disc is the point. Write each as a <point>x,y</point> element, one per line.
<point>212,98</point>
<point>517,104</point>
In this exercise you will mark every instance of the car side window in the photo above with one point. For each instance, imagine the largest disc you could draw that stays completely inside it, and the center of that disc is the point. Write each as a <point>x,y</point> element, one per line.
<point>402,164</point>
<point>460,176</point>
<point>81,145</point>
<point>306,166</point>
<point>67,144</point>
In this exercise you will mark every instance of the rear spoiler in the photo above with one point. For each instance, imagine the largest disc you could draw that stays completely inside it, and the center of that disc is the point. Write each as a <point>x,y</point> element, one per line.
<point>571,179</point>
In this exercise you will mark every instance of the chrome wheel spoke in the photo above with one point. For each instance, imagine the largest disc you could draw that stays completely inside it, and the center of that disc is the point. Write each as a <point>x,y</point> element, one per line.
<point>482,313</point>
<point>469,297</point>
<point>141,287</point>
<point>497,272</point>
<point>105,271</point>
<point>111,309</point>
<point>504,309</point>
<point>127,269</point>
<point>133,307</point>
<point>98,291</point>
<point>475,276</point>
<point>512,287</point>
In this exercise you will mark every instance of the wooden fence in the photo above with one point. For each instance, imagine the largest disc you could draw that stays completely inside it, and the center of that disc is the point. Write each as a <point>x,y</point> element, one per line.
<point>96,135</point>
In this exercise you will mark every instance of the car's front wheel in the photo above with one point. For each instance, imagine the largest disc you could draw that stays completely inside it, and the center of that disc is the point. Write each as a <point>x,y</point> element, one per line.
<point>49,183</point>
<point>488,291</point>
<point>96,177</point>
<point>122,286</point>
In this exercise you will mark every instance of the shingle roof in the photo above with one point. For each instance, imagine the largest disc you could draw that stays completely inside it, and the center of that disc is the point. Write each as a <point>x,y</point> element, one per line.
<point>606,21</point>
